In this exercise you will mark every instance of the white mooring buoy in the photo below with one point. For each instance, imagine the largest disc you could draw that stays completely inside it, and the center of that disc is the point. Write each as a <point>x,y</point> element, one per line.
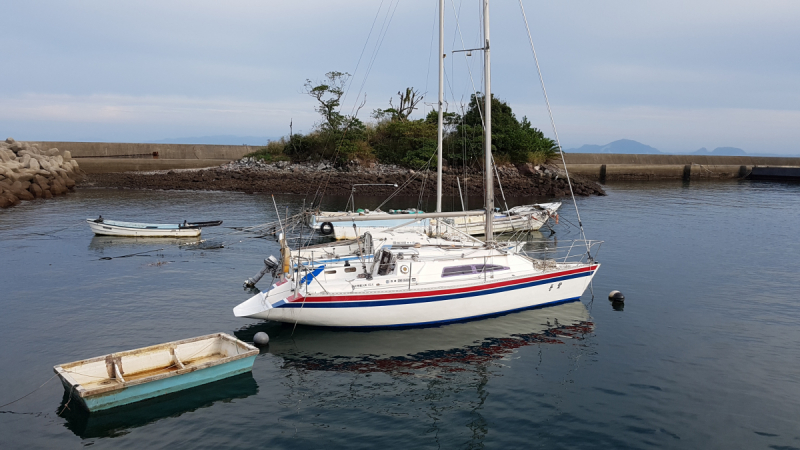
<point>616,296</point>
<point>261,339</point>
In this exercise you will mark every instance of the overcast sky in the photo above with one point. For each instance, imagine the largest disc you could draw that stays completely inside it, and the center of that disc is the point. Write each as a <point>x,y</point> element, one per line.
<point>675,75</point>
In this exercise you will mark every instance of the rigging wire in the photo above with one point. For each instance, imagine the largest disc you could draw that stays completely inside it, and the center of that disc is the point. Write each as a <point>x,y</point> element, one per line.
<point>381,36</point>
<point>363,49</point>
<point>553,123</point>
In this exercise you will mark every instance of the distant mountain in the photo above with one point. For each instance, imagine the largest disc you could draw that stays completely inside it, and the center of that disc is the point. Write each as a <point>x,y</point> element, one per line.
<point>725,151</point>
<point>621,146</point>
<point>224,139</point>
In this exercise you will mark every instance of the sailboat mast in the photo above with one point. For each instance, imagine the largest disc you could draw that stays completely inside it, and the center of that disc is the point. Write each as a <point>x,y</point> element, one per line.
<point>487,128</point>
<point>440,127</point>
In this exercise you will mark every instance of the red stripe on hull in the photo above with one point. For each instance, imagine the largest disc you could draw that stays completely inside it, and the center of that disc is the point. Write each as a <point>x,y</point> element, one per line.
<point>417,294</point>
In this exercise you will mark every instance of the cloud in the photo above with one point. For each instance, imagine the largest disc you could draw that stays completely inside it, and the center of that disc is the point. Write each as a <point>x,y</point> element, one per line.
<point>157,69</point>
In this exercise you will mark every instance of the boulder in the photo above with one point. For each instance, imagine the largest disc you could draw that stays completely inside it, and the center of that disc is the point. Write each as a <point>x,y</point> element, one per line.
<point>5,202</point>
<point>12,199</point>
<point>24,195</point>
<point>34,164</point>
<point>10,140</point>
<point>526,169</point>
<point>36,190</point>
<point>59,160</point>
<point>26,175</point>
<point>26,160</point>
<point>47,194</point>
<point>52,152</point>
<point>67,155</point>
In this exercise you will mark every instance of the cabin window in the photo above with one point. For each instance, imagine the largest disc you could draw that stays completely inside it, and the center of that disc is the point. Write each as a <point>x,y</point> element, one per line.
<point>385,263</point>
<point>349,269</point>
<point>457,270</point>
<point>471,269</point>
<point>330,272</point>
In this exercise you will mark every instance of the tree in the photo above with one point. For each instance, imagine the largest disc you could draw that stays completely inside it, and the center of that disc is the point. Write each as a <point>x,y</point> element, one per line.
<point>329,94</point>
<point>408,103</point>
<point>518,141</point>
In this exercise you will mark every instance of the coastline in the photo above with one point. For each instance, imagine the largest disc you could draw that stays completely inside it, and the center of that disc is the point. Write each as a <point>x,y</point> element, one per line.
<point>282,177</point>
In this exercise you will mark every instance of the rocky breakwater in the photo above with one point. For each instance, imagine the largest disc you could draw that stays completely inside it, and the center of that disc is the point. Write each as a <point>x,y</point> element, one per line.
<point>251,175</point>
<point>28,172</point>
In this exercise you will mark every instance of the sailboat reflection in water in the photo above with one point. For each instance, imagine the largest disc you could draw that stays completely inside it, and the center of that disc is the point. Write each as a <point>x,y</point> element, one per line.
<point>452,347</point>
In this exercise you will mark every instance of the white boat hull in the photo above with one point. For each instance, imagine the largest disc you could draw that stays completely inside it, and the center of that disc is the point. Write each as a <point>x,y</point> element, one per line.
<point>107,229</point>
<point>423,307</point>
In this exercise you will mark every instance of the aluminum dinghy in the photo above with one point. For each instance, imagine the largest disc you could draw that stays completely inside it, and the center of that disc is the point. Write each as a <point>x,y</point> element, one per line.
<point>104,227</point>
<point>126,377</point>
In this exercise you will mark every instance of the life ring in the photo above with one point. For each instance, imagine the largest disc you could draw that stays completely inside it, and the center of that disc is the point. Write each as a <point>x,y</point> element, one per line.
<point>326,229</point>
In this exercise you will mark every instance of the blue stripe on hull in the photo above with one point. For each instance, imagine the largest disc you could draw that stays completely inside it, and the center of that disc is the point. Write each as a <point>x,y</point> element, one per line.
<point>405,301</point>
<point>449,321</point>
<point>163,386</point>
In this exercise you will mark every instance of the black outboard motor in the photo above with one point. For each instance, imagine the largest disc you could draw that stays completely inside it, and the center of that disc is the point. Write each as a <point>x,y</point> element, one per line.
<point>271,264</point>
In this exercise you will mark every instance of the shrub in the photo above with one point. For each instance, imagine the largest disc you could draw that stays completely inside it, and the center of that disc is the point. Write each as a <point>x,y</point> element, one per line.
<point>274,151</point>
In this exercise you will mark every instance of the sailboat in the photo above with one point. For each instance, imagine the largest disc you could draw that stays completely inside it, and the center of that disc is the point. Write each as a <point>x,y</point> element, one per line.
<point>410,284</point>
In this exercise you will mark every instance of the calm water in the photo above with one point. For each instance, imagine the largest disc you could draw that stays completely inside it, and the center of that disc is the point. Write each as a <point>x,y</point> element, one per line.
<point>705,354</point>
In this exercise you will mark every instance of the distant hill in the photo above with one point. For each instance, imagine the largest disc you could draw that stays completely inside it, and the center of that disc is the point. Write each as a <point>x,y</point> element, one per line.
<point>626,146</point>
<point>224,139</point>
<point>725,151</point>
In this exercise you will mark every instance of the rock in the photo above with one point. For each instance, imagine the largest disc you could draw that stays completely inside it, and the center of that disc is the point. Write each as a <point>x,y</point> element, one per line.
<point>526,169</point>
<point>36,190</point>
<point>24,195</point>
<point>26,161</point>
<point>12,199</point>
<point>52,152</point>
<point>67,156</point>
<point>10,140</point>
<point>59,160</point>
<point>47,194</point>
<point>57,188</point>
<point>4,201</point>
<point>70,183</point>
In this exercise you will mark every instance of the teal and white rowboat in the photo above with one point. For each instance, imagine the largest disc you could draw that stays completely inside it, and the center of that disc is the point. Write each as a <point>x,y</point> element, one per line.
<point>126,377</point>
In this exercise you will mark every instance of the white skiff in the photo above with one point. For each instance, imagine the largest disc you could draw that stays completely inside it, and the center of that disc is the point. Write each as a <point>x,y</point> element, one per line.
<point>104,227</point>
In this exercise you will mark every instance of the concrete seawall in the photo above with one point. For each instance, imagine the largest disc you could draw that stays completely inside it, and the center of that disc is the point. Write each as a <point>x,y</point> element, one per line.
<point>106,157</point>
<point>609,167</point>
<point>110,157</point>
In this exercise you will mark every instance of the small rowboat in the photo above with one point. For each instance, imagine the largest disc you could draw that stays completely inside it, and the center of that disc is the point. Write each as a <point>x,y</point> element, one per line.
<point>105,227</point>
<point>126,377</point>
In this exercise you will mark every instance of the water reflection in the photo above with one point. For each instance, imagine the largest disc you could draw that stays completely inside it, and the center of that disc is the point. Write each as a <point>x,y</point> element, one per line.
<point>447,372</point>
<point>121,420</point>
<point>447,348</point>
<point>100,244</point>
